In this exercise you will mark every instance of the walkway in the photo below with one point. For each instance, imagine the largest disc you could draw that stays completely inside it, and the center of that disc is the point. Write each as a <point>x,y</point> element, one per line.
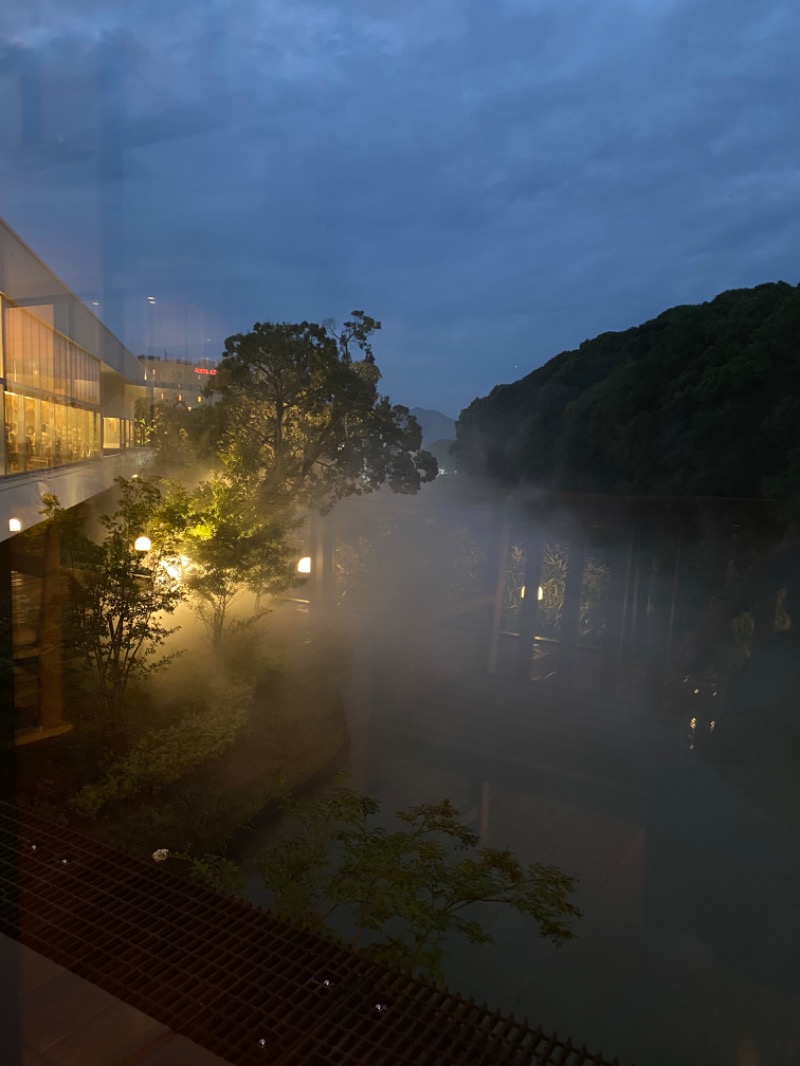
<point>223,974</point>
<point>50,1017</point>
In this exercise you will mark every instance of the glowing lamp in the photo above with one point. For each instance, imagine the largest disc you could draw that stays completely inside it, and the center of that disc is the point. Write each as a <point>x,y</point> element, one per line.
<point>304,566</point>
<point>539,593</point>
<point>14,525</point>
<point>143,544</point>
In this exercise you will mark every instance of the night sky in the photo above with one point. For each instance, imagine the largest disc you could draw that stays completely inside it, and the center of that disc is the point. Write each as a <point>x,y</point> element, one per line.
<point>497,181</point>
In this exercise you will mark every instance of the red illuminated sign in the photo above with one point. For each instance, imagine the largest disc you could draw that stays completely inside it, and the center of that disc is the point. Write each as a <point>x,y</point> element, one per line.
<point>202,370</point>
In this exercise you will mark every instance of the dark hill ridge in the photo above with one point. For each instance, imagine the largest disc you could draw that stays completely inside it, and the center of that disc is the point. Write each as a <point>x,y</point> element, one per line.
<point>435,426</point>
<point>704,399</point>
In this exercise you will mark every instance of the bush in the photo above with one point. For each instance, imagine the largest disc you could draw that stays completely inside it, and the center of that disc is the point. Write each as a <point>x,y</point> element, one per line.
<point>165,755</point>
<point>405,889</point>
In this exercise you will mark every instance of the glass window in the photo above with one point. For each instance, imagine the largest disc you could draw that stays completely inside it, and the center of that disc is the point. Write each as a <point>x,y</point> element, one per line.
<point>11,412</point>
<point>111,434</point>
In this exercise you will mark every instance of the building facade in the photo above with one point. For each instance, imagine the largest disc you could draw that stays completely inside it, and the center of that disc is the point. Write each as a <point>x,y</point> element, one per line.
<point>178,381</point>
<point>69,390</point>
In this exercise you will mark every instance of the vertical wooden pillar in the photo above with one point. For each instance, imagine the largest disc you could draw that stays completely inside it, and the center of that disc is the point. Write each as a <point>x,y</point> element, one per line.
<point>7,717</point>
<point>529,608</point>
<point>51,683</point>
<point>327,559</point>
<point>496,583</point>
<point>571,611</point>
<point>662,613</point>
<point>320,550</point>
<point>618,604</point>
<point>636,643</point>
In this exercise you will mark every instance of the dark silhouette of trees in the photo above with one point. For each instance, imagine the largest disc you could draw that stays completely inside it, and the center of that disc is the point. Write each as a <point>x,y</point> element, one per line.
<point>703,400</point>
<point>306,419</point>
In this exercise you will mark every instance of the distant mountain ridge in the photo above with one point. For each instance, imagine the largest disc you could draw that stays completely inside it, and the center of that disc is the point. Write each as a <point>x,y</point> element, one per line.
<point>435,426</point>
<point>702,400</point>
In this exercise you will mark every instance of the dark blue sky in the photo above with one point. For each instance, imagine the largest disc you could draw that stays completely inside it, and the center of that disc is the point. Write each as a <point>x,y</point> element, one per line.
<point>496,180</point>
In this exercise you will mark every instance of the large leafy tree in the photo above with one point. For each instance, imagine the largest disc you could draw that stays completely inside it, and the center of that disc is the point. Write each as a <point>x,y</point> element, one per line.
<point>306,419</point>
<point>233,544</point>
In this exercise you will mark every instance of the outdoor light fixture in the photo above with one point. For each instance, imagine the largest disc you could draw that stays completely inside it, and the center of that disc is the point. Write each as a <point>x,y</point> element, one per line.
<point>304,566</point>
<point>14,525</point>
<point>539,593</point>
<point>143,544</point>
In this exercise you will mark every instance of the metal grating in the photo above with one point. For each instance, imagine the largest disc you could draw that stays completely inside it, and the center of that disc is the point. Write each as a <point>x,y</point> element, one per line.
<point>231,977</point>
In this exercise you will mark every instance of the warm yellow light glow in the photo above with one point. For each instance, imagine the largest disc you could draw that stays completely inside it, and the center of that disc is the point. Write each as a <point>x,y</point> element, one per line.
<point>143,544</point>
<point>539,593</point>
<point>14,525</point>
<point>304,566</point>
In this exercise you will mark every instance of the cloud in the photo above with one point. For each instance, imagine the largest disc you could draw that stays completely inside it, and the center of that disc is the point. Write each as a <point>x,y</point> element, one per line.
<point>495,182</point>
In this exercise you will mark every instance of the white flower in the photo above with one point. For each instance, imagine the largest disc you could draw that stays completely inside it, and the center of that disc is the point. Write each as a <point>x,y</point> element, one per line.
<point>160,854</point>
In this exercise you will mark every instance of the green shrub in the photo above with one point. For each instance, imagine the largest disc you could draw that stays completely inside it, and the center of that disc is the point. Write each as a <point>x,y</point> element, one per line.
<point>163,756</point>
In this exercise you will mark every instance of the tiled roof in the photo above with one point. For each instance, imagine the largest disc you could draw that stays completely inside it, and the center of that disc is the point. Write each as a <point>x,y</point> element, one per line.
<point>230,977</point>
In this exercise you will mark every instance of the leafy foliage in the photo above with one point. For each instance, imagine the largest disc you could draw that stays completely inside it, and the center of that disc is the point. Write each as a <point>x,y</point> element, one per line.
<point>403,890</point>
<point>232,543</point>
<point>162,756</point>
<point>118,595</point>
<point>701,400</point>
<point>307,419</point>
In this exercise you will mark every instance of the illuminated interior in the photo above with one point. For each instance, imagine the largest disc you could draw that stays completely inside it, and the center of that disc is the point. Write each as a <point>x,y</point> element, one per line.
<point>52,396</point>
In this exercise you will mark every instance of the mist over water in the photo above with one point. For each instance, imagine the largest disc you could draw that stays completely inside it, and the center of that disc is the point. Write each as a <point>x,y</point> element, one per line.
<point>566,734</point>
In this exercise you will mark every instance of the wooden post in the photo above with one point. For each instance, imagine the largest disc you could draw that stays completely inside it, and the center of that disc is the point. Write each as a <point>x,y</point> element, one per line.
<point>498,575</point>
<point>662,613</point>
<point>571,611</point>
<point>529,611</point>
<point>621,558</point>
<point>7,716</point>
<point>51,685</point>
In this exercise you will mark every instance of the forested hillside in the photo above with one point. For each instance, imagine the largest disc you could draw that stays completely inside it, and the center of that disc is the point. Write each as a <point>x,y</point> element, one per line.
<point>700,400</point>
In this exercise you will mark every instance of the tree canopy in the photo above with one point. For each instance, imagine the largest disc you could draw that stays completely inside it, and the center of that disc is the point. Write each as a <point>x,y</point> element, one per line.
<point>305,418</point>
<point>702,400</point>
<point>120,589</point>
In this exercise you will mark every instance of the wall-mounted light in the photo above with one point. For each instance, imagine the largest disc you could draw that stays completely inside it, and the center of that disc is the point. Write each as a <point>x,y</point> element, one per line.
<point>539,593</point>
<point>14,525</point>
<point>304,566</point>
<point>143,544</point>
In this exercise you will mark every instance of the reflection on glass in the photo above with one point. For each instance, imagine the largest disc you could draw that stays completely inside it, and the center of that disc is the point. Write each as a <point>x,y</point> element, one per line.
<point>42,433</point>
